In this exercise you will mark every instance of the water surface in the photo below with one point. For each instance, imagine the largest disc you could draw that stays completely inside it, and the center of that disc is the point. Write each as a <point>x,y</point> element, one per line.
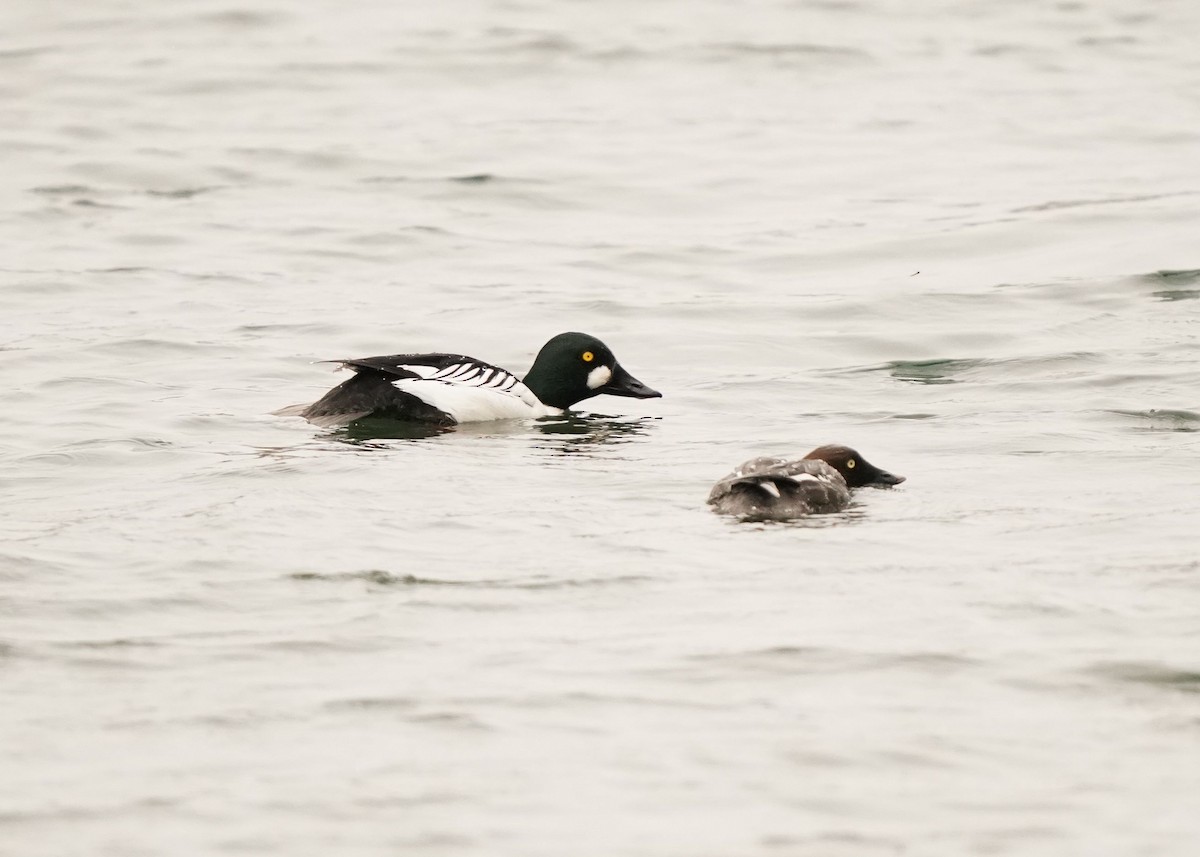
<point>960,237</point>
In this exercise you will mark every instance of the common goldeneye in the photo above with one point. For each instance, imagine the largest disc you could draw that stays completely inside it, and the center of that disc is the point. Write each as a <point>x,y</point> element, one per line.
<point>447,389</point>
<point>777,489</point>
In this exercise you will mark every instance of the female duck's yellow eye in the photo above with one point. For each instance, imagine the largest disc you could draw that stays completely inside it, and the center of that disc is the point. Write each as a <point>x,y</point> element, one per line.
<point>850,464</point>
<point>588,357</point>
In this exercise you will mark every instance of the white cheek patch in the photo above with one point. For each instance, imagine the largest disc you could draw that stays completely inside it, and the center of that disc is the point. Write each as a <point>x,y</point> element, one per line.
<point>598,377</point>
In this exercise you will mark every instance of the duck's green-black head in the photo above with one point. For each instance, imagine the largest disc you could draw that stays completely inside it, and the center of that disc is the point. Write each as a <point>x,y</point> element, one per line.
<point>572,367</point>
<point>856,470</point>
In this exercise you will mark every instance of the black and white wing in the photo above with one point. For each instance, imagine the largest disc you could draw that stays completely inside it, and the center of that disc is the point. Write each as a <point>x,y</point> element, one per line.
<point>442,389</point>
<point>449,368</point>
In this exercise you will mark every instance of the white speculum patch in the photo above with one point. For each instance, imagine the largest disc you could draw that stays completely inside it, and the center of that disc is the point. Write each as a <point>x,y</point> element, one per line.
<point>598,377</point>
<point>771,488</point>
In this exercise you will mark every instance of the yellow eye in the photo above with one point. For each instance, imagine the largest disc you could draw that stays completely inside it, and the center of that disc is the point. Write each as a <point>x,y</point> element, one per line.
<point>588,357</point>
<point>850,464</point>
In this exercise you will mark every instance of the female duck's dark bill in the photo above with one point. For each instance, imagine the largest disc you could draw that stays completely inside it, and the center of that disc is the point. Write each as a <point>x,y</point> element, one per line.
<point>623,384</point>
<point>882,477</point>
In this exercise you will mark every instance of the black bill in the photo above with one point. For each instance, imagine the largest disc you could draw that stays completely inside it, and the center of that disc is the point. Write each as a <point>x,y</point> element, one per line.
<point>623,384</point>
<point>883,478</point>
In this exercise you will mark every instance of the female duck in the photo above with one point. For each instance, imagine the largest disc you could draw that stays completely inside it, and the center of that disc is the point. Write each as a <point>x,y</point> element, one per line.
<point>778,489</point>
<point>448,389</point>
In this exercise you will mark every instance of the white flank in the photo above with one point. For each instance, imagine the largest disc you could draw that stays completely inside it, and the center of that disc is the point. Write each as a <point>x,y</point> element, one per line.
<point>598,377</point>
<point>469,403</point>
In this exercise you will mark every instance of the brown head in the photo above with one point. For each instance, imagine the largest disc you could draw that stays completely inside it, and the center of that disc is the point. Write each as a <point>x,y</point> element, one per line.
<point>856,470</point>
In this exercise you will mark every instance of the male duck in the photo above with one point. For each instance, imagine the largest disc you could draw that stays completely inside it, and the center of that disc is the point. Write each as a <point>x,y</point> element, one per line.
<point>447,389</point>
<point>777,489</point>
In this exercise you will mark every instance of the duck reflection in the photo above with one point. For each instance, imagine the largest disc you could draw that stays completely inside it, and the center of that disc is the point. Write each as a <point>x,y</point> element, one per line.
<point>581,433</point>
<point>364,431</point>
<point>568,433</point>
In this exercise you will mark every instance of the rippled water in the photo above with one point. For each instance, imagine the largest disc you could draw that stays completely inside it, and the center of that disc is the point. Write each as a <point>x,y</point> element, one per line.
<point>959,236</point>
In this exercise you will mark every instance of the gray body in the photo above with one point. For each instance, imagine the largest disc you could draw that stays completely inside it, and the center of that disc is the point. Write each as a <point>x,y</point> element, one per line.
<point>777,489</point>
